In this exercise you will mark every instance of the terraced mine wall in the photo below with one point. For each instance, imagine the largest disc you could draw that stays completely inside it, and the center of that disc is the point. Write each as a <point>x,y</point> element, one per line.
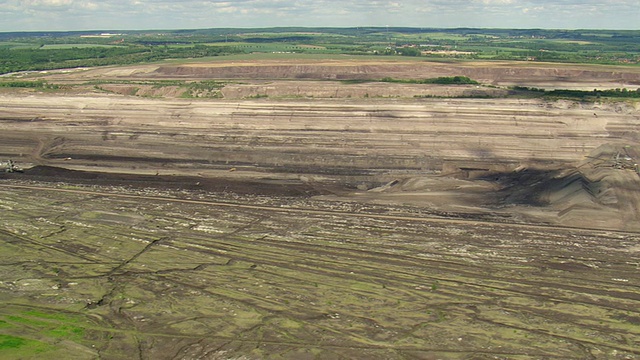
<point>494,72</point>
<point>338,137</point>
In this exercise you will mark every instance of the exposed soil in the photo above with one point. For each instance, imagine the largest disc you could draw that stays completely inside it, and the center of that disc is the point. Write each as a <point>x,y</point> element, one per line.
<point>497,73</point>
<point>318,222</point>
<point>349,146</point>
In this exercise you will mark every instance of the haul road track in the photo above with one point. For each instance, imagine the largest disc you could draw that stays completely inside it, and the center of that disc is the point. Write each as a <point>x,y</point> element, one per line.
<point>321,228</point>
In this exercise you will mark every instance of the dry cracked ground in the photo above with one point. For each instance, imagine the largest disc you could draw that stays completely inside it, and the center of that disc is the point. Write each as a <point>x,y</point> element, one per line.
<point>284,214</point>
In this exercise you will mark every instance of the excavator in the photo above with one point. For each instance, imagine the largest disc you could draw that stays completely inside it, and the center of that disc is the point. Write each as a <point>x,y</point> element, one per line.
<point>10,166</point>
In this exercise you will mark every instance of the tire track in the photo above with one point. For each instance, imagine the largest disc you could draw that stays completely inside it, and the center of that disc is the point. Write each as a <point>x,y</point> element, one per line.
<point>325,212</point>
<point>43,245</point>
<point>298,257</point>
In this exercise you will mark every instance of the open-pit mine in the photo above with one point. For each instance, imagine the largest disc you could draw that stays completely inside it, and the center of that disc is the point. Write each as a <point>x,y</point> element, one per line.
<point>301,209</point>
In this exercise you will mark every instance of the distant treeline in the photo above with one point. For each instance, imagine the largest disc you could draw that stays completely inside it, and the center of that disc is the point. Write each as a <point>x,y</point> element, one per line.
<point>12,60</point>
<point>582,94</point>
<point>28,84</point>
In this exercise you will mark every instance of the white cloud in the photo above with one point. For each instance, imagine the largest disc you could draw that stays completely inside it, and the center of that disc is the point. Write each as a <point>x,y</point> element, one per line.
<point>48,3</point>
<point>496,2</point>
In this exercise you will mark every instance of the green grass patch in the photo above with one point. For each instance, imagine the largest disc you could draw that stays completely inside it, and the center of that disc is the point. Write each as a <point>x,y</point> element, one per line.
<point>357,81</point>
<point>14,347</point>
<point>4,324</point>
<point>53,326</point>
<point>11,342</point>
<point>66,332</point>
<point>58,317</point>
<point>59,325</point>
<point>26,321</point>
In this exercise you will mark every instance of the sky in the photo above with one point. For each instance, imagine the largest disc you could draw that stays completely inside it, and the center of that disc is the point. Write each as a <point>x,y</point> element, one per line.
<point>68,15</point>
